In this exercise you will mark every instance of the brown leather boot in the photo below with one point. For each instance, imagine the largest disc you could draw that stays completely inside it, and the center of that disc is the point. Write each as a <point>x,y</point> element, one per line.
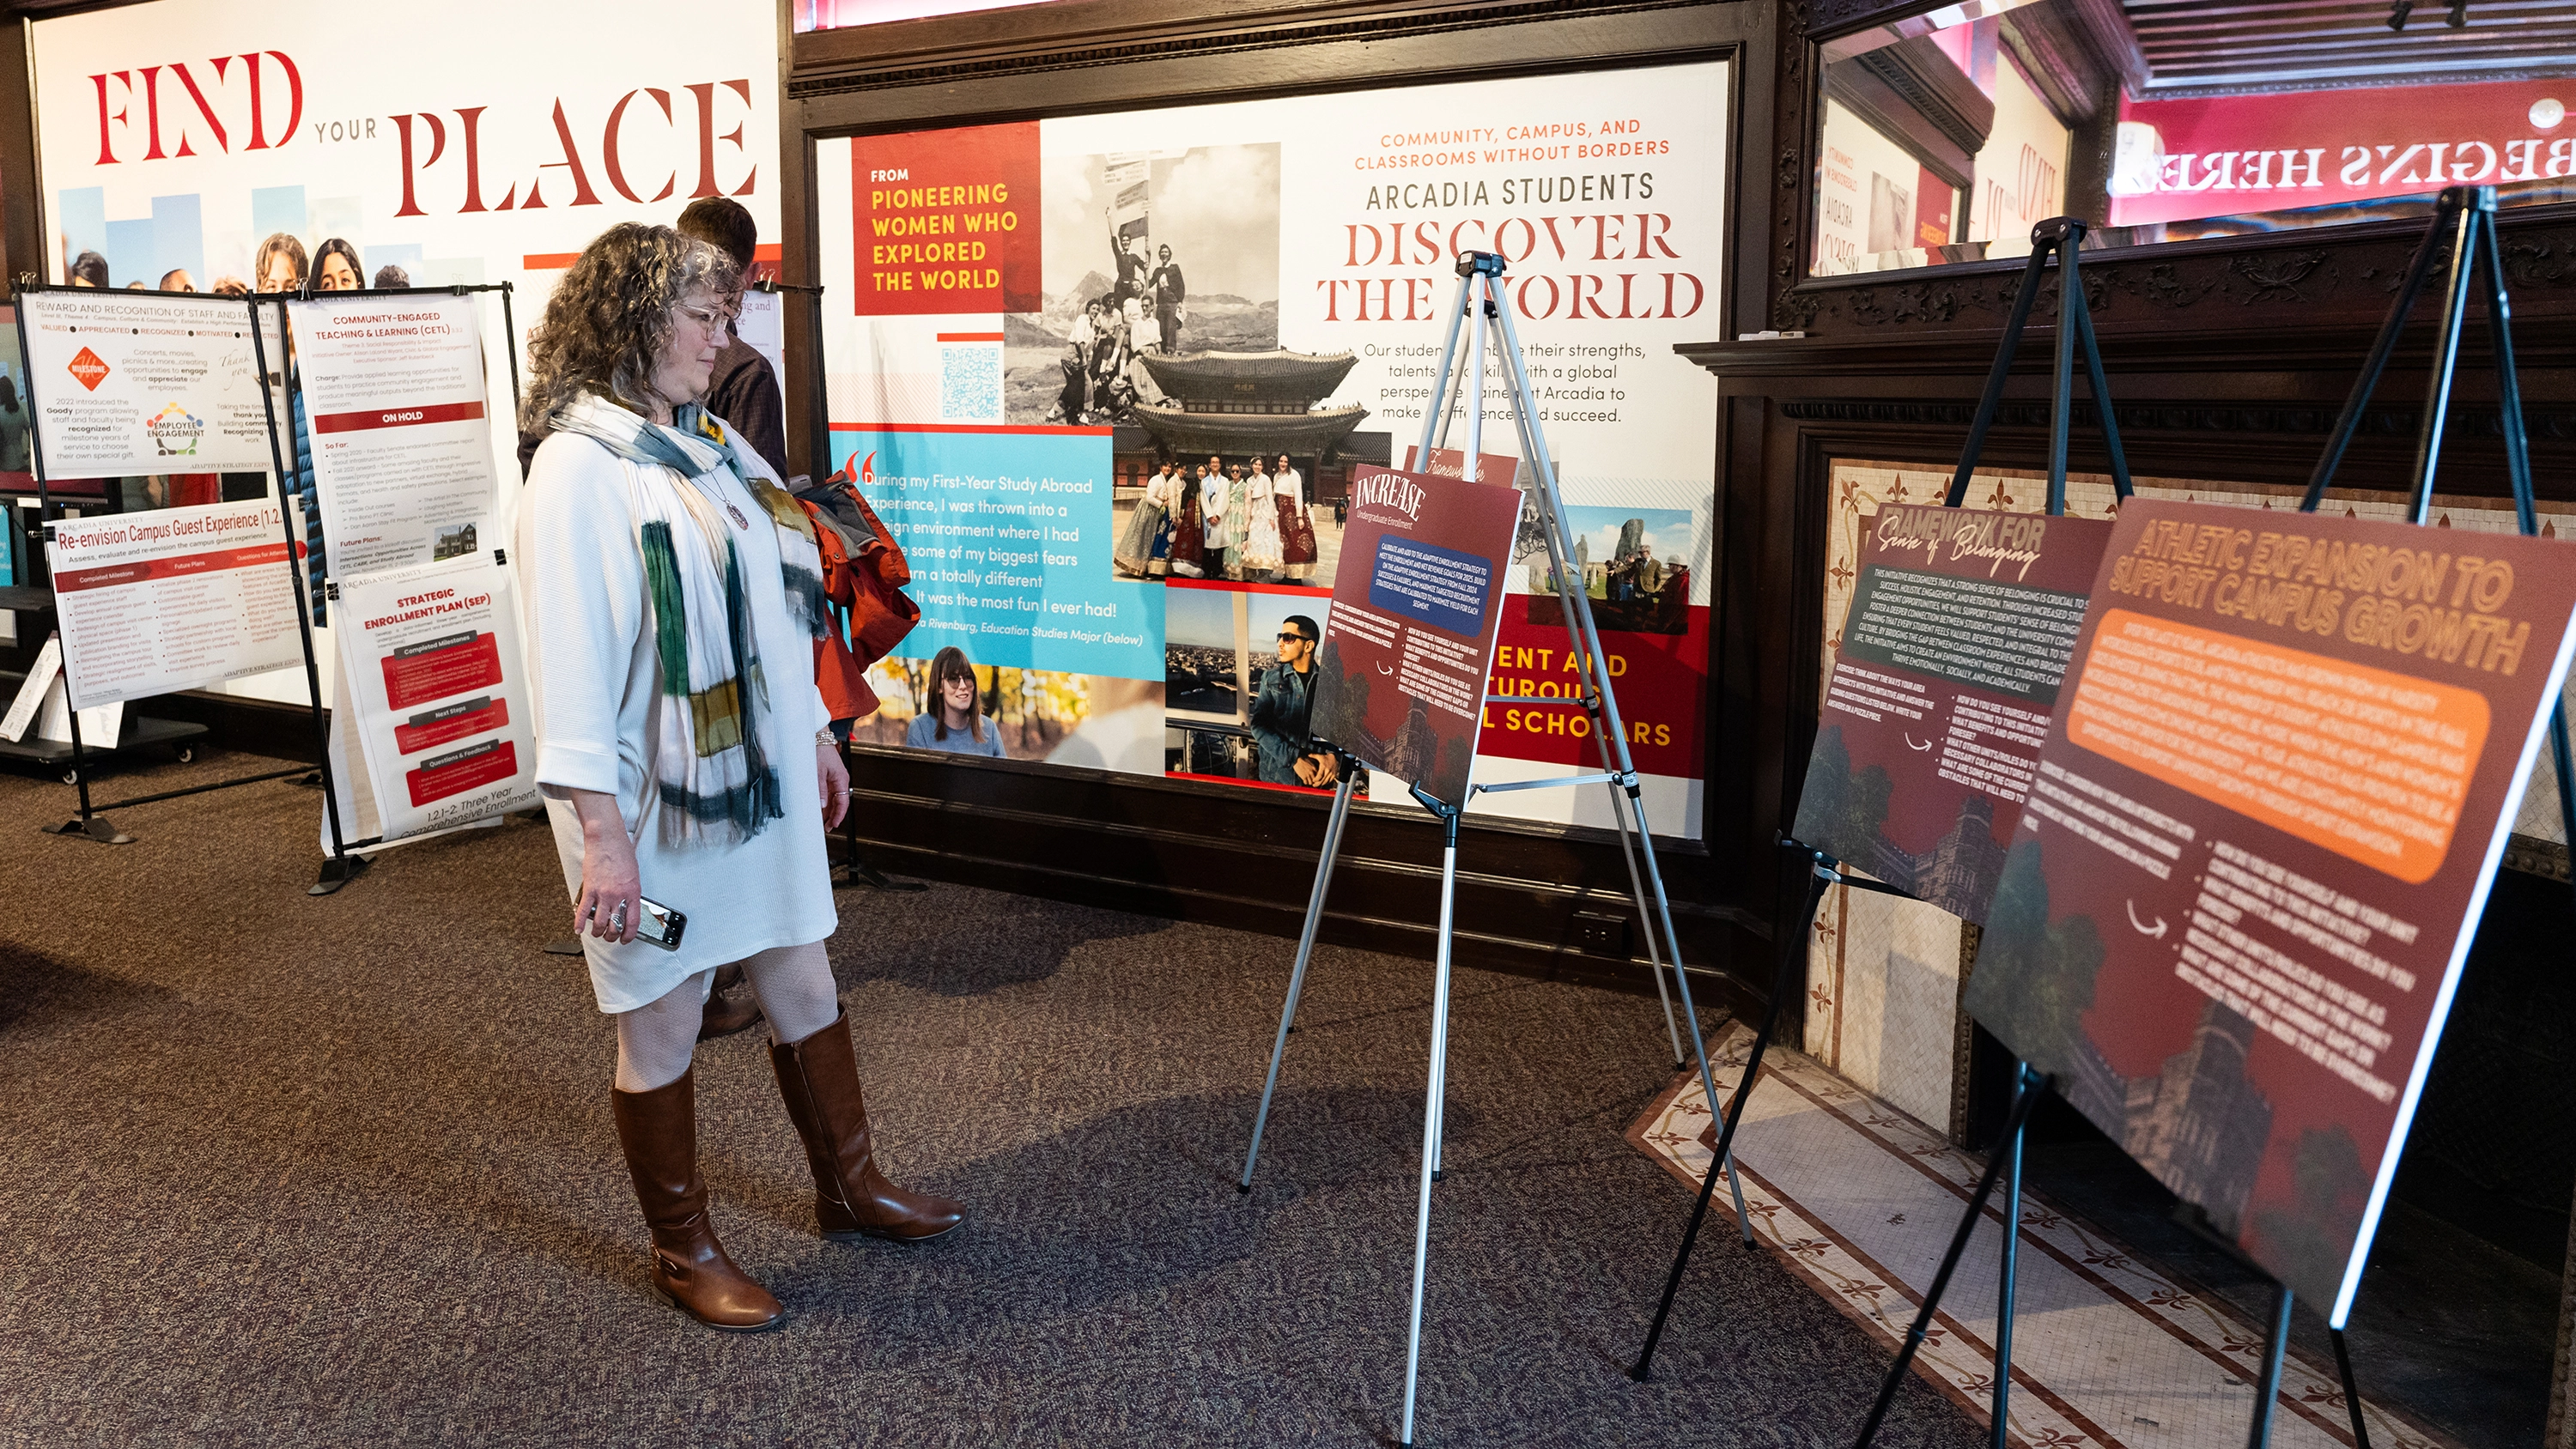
<point>659,1130</point>
<point>724,1018</point>
<point>819,1077</point>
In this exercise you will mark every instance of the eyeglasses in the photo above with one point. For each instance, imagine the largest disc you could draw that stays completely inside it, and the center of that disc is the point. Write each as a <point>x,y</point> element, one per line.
<point>711,317</point>
<point>1295,639</point>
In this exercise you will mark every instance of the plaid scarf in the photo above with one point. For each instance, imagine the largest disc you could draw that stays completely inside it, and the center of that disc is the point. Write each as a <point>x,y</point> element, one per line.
<point>716,781</point>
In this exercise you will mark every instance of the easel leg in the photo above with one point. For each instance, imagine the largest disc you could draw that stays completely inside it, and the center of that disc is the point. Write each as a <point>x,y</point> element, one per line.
<point>2025,1096</point>
<point>2351,1392</point>
<point>1431,1116</point>
<point>2011,1260</point>
<point>1297,976</point>
<point>2268,1392</point>
<point>1793,949</point>
<point>1645,917</point>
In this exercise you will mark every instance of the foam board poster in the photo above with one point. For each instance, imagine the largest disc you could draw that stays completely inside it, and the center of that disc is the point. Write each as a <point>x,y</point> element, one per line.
<point>2258,842</point>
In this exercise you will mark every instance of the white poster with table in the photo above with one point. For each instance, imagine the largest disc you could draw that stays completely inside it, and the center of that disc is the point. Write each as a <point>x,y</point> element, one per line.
<point>177,598</point>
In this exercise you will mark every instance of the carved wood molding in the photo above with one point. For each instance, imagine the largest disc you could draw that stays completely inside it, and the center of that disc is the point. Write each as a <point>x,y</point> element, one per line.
<point>825,66</point>
<point>2297,278</point>
<point>1794,125</point>
<point>2463,420</point>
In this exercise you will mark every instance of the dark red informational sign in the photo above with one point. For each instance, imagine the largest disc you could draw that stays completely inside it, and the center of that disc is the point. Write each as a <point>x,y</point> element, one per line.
<point>478,764</point>
<point>947,221</point>
<point>1942,691</point>
<point>1411,635</point>
<point>436,668</point>
<point>2261,832</point>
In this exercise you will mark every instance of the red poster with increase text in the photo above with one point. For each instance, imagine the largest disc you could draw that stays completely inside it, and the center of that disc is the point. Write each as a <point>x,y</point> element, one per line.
<point>1411,635</point>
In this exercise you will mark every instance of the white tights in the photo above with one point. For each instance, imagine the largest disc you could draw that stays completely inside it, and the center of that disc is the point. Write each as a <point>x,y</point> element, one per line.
<point>792,983</point>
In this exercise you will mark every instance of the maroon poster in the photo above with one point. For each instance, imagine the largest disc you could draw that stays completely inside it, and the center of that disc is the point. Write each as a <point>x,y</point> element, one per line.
<point>1942,691</point>
<point>2260,836</point>
<point>1411,635</point>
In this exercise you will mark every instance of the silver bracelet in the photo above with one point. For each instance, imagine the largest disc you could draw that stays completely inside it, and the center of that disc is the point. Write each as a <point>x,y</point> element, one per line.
<point>824,737</point>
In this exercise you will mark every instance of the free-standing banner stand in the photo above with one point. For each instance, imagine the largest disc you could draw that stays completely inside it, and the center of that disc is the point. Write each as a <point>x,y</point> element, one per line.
<point>2061,237</point>
<point>92,822</point>
<point>1480,296</point>
<point>343,864</point>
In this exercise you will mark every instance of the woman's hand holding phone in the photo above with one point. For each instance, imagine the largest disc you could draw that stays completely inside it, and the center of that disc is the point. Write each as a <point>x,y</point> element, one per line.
<point>610,905</point>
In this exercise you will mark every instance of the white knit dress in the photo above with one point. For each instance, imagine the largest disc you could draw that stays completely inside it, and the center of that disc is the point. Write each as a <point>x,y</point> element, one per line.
<point>592,677</point>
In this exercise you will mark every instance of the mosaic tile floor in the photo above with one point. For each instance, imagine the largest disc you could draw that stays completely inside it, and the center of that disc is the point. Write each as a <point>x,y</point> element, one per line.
<point>1861,1200</point>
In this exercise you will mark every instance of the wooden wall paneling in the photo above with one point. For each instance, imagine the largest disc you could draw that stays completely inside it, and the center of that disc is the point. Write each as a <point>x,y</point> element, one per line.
<point>1419,45</point>
<point>22,217</point>
<point>808,445</point>
<point>1245,859</point>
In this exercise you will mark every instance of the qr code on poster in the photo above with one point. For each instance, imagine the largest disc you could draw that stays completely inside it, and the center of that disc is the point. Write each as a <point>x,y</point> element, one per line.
<point>970,382</point>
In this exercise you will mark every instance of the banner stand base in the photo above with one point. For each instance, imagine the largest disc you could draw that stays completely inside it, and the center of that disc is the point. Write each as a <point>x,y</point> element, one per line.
<point>338,871</point>
<point>859,872</point>
<point>93,827</point>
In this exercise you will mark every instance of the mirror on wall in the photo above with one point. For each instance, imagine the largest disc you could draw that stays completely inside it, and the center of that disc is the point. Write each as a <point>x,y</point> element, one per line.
<point>1944,136</point>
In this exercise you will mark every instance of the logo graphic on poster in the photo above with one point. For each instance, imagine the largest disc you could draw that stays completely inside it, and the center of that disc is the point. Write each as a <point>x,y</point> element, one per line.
<point>175,431</point>
<point>86,366</point>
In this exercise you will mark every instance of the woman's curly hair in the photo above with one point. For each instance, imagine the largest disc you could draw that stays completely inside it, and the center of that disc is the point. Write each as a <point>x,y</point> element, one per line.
<point>611,316</point>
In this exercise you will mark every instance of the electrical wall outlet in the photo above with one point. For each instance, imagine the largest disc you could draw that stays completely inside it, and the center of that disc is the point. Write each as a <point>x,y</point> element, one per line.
<point>1601,935</point>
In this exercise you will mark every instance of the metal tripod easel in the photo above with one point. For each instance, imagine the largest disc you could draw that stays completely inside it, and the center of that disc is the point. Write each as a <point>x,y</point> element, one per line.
<point>2464,225</point>
<point>1481,299</point>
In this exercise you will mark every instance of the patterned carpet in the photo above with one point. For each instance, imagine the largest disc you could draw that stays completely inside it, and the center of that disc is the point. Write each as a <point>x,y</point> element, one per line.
<point>284,1171</point>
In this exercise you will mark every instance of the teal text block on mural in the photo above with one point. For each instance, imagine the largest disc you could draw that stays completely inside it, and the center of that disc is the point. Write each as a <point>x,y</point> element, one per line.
<point>1009,537</point>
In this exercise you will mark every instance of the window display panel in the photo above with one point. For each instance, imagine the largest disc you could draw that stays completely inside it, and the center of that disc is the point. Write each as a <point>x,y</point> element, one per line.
<point>1108,380</point>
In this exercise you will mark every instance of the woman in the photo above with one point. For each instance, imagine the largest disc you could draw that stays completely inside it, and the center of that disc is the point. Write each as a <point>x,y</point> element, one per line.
<point>1261,513</point>
<point>1238,524</point>
<point>278,265</point>
<point>1296,525</point>
<point>336,267</point>
<point>1140,546</point>
<point>953,723</point>
<point>1188,530</point>
<point>672,605</point>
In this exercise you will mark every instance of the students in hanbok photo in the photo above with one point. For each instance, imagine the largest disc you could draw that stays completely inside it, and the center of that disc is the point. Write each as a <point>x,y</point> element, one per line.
<point>1297,550</point>
<point>1235,521</point>
<point>1142,548</point>
<point>1189,535</point>
<point>1261,523</point>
